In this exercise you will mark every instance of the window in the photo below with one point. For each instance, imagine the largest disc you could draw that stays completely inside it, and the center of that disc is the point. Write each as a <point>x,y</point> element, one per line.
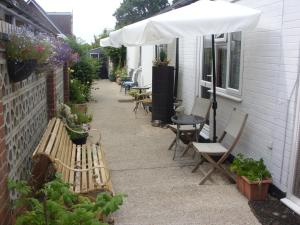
<point>235,59</point>
<point>95,55</point>
<point>228,59</point>
<point>8,18</point>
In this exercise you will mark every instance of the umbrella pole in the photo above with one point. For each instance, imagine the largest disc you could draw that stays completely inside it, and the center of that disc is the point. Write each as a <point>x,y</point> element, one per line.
<point>176,68</point>
<point>214,104</point>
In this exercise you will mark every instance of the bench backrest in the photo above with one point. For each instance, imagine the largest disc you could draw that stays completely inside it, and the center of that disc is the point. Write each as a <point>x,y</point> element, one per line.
<point>83,167</point>
<point>54,146</point>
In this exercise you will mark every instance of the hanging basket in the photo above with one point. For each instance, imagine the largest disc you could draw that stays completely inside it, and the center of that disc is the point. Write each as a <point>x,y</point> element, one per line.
<point>19,71</point>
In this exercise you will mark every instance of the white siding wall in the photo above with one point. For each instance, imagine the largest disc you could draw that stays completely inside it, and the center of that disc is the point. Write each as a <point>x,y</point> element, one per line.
<point>147,61</point>
<point>270,70</point>
<point>187,72</point>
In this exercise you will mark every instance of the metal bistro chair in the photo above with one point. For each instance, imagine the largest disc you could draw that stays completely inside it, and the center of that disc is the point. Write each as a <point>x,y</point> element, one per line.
<point>127,85</point>
<point>128,78</point>
<point>234,128</point>
<point>201,108</point>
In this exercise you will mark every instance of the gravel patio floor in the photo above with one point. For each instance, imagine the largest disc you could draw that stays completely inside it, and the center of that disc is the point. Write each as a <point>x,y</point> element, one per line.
<point>160,191</point>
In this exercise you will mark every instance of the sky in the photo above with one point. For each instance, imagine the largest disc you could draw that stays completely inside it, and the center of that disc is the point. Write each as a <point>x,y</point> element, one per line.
<point>90,17</point>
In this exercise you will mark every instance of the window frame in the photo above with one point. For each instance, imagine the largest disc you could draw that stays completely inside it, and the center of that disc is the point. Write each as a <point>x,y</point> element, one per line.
<point>236,93</point>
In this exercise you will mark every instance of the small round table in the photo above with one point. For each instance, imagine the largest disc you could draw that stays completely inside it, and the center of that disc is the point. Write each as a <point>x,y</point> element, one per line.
<point>185,120</point>
<point>140,89</point>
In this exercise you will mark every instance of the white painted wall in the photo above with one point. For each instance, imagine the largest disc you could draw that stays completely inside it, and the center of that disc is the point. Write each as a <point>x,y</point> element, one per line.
<point>148,55</point>
<point>270,70</point>
<point>133,57</point>
<point>187,77</point>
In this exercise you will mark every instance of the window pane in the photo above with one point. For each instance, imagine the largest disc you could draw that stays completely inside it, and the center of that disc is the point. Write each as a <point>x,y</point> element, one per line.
<point>204,92</point>
<point>207,59</point>
<point>235,59</point>
<point>221,64</point>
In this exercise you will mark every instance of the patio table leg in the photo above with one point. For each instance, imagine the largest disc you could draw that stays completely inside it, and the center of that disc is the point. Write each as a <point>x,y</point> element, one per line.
<point>173,142</point>
<point>177,140</point>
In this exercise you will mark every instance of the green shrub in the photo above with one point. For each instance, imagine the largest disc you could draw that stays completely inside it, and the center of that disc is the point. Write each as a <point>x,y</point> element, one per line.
<point>83,118</point>
<point>133,93</point>
<point>85,70</point>
<point>111,76</point>
<point>78,46</point>
<point>254,170</point>
<point>55,204</point>
<point>79,92</point>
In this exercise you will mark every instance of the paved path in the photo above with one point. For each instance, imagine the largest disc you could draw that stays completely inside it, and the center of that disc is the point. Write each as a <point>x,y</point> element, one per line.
<point>160,191</point>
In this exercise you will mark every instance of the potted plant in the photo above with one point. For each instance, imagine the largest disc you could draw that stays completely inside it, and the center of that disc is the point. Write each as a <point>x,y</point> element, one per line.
<point>162,60</point>
<point>78,136</point>
<point>23,54</point>
<point>253,177</point>
<point>112,77</point>
<point>77,121</point>
<point>121,75</point>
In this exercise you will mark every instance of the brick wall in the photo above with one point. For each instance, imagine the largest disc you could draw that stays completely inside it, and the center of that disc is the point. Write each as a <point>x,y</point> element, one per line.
<point>66,83</point>
<point>51,97</point>
<point>5,218</point>
<point>25,108</point>
<point>56,88</point>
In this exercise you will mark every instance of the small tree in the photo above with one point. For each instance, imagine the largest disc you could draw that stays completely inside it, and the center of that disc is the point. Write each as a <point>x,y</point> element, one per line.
<point>131,11</point>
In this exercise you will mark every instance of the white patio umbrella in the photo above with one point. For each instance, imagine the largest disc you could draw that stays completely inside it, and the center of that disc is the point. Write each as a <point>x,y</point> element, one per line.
<point>106,42</point>
<point>204,17</point>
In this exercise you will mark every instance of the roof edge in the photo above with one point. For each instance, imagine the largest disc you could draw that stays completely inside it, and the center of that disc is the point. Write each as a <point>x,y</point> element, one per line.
<point>44,14</point>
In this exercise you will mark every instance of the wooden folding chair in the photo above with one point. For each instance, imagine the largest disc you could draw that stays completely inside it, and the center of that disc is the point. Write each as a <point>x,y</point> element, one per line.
<point>200,108</point>
<point>234,129</point>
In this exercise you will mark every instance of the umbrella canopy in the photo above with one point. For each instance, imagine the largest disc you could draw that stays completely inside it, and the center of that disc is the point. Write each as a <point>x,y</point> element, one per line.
<point>198,19</point>
<point>106,42</point>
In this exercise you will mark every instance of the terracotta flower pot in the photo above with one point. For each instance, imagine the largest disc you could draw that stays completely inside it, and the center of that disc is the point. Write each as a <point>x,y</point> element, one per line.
<point>240,184</point>
<point>118,80</point>
<point>80,107</point>
<point>255,191</point>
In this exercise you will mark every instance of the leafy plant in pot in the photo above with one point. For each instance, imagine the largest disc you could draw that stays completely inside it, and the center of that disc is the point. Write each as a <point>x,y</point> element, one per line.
<point>253,177</point>
<point>24,53</point>
<point>162,60</point>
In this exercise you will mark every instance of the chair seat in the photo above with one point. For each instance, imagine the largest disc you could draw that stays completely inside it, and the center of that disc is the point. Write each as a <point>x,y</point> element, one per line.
<point>183,127</point>
<point>128,83</point>
<point>213,148</point>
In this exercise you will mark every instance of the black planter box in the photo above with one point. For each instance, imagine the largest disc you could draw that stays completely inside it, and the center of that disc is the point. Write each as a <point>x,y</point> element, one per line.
<point>162,93</point>
<point>19,71</point>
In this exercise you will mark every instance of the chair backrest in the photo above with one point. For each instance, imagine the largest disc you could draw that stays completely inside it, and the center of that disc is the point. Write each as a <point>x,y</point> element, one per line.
<point>136,74</point>
<point>236,123</point>
<point>201,107</point>
<point>130,73</point>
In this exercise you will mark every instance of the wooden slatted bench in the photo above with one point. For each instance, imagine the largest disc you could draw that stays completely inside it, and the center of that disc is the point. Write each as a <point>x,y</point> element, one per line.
<point>82,166</point>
